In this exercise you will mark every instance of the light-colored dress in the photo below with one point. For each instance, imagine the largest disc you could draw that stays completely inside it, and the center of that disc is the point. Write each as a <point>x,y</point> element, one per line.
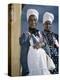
<point>38,60</point>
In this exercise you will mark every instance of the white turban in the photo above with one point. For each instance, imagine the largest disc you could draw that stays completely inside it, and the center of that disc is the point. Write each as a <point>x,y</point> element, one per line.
<point>32,12</point>
<point>48,17</point>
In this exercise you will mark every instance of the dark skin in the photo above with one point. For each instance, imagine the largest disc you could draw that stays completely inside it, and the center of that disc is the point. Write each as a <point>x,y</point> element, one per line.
<point>32,21</point>
<point>47,26</point>
<point>32,24</point>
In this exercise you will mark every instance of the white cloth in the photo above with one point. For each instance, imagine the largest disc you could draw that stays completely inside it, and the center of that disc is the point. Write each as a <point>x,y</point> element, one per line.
<point>39,63</point>
<point>38,39</point>
<point>48,17</point>
<point>50,63</point>
<point>32,12</point>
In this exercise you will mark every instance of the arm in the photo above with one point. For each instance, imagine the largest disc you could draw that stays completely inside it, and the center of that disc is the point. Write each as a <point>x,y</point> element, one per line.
<point>23,39</point>
<point>42,40</point>
<point>55,42</point>
<point>40,43</point>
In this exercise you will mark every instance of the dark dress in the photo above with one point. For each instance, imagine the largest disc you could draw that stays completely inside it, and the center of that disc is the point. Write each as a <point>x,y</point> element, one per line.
<point>24,42</point>
<point>48,36</point>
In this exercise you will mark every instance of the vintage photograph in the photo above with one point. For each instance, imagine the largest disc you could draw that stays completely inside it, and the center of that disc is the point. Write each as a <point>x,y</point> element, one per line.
<point>33,40</point>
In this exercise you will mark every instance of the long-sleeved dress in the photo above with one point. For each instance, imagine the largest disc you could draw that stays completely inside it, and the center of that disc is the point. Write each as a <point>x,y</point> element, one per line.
<point>51,39</point>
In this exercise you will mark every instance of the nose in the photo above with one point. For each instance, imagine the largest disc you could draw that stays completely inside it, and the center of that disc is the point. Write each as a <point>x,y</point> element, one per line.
<point>33,21</point>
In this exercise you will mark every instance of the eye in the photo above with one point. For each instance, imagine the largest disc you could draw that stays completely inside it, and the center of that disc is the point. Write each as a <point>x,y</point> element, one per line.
<point>35,19</point>
<point>49,24</point>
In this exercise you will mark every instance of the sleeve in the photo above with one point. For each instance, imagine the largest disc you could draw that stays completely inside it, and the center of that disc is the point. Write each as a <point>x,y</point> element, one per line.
<point>23,39</point>
<point>41,36</point>
<point>55,41</point>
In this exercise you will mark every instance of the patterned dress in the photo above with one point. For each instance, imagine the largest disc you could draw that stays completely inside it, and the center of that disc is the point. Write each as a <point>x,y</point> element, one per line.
<point>49,37</point>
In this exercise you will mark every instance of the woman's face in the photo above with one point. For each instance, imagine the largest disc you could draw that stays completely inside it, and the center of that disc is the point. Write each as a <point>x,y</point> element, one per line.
<point>47,25</point>
<point>32,21</point>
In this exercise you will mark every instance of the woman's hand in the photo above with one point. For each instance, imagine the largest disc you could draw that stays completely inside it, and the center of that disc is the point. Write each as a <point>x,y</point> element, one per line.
<point>38,45</point>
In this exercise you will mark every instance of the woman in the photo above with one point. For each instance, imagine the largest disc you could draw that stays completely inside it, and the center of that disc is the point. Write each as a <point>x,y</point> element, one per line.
<point>38,59</point>
<point>50,38</point>
<point>33,49</point>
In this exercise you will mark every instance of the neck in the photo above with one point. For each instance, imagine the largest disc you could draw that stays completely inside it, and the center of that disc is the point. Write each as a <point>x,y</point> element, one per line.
<point>47,30</point>
<point>32,30</point>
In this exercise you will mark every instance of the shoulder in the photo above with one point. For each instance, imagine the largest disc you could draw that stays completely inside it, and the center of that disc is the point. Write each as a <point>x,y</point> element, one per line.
<point>24,34</point>
<point>37,30</point>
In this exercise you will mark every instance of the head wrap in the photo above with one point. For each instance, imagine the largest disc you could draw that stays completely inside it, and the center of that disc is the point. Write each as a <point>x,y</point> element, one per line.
<point>32,12</point>
<point>48,17</point>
